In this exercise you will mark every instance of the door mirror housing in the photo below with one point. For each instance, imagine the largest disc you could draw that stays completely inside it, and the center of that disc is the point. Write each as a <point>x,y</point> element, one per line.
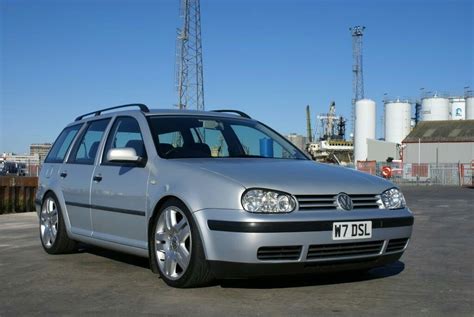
<point>124,155</point>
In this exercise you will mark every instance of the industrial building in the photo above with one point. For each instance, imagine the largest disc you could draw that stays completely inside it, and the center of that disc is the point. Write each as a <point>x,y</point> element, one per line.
<point>447,141</point>
<point>382,151</point>
<point>298,140</point>
<point>443,119</point>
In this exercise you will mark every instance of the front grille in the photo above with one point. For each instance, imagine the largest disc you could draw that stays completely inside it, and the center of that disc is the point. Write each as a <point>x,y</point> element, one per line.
<point>316,201</point>
<point>279,253</point>
<point>396,245</point>
<point>365,201</point>
<point>336,250</point>
<point>328,202</point>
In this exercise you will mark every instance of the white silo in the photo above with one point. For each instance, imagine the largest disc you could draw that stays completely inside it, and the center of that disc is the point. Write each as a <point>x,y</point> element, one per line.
<point>457,108</point>
<point>470,108</point>
<point>434,108</point>
<point>397,120</point>
<point>364,127</point>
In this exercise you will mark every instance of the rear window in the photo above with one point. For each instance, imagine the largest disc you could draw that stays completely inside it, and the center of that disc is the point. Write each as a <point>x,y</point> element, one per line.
<point>62,144</point>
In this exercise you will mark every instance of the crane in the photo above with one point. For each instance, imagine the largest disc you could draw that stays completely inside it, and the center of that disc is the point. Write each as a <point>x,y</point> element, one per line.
<point>328,121</point>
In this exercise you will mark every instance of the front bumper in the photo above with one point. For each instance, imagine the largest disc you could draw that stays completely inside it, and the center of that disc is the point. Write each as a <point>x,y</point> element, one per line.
<point>222,269</point>
<point>235,236</point>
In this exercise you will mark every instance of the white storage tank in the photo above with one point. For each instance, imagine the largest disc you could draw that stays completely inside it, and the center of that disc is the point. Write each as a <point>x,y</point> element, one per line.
<point>397,120</point>
<point>457,108</point>
<point>364,127</point>
<point>470,108</point>
<point>434,108</point>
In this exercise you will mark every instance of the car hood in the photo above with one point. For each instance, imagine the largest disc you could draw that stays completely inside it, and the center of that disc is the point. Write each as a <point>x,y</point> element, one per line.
<point>298,177</point>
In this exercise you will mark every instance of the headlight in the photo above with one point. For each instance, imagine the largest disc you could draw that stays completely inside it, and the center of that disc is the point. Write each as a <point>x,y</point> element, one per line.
<point>267,201</point>
<point>393,199</point>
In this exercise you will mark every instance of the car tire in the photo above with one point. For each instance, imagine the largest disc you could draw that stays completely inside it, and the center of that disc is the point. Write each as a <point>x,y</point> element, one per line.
<point>174,235</point>
<point>53,234</point>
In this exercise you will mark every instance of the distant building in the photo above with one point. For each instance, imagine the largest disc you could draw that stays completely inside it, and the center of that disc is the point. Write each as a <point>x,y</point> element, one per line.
<point>450,141</point>
<point>380,151</point>
<point>41,149</point>
<point>19,164</point>
<point>298,140</point>
<point>21,158</point>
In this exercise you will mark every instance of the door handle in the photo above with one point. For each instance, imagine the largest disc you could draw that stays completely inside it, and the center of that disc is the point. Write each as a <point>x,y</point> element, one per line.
<point>97,178</point>
<point>63,174</point>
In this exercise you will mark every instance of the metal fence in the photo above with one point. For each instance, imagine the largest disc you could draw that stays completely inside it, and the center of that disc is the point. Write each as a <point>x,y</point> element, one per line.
<point>467,174</point>
<point>456,174</point>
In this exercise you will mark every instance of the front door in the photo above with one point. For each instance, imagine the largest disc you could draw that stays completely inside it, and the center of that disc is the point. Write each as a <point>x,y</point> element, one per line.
<point>119,191</point>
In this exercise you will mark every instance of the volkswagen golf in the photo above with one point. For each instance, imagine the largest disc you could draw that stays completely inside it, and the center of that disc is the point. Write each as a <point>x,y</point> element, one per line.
<point>212,194</point>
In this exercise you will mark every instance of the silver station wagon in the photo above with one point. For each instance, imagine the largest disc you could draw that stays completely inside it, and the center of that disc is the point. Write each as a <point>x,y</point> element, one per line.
<point>213,194</point>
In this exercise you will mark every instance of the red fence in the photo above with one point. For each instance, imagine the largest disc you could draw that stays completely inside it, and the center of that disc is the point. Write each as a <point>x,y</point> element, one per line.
<point>367,167</point>
<point>467,174</point>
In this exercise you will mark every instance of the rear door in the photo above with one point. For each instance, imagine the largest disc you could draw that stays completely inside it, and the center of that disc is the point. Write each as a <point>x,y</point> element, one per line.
<point>57,154</point>
<point>119,191</point>
<point>76,175</point>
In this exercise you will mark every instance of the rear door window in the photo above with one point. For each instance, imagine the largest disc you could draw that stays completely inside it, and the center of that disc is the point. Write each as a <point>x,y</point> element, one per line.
<point>62,144</point>
<point>85,151</point>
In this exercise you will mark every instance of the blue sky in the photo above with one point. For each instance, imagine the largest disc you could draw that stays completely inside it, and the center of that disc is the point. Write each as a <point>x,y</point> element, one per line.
<point>269,58</point>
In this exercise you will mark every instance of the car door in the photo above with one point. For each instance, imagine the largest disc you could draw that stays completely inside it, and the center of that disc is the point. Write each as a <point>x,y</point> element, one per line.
<point>119,191</point>
<point>55,158</point>
<point>76,174</point>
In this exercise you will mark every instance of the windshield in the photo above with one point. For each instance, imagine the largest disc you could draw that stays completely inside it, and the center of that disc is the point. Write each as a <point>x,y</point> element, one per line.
<point>209,137</point>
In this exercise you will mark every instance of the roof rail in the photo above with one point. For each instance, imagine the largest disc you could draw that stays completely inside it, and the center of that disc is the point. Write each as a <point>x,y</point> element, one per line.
<point>142,107</point>
<point>242,114</point>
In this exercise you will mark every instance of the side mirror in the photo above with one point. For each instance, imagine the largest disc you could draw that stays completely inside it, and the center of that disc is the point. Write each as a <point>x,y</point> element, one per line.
<point>123,155</point>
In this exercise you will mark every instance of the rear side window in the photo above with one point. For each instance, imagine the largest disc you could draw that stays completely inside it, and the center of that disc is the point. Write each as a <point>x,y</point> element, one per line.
<point>85,151</point>
<point>62,144</point>
<point>125,133</point>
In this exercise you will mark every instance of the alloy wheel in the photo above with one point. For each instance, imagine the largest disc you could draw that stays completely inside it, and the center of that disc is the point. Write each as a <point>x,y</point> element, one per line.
<point>173,242</point>
<point>49,222</point>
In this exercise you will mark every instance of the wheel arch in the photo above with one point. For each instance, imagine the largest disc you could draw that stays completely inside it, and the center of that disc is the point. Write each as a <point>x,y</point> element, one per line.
<point>157,207</point>
<point>62,204</point>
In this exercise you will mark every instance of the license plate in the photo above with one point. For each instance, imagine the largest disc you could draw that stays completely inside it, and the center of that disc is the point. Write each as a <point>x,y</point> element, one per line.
<point>351,230</point>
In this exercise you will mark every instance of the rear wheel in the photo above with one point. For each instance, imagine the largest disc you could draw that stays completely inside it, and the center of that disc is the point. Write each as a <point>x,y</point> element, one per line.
<point>176,248</point>
<point>52,229</point>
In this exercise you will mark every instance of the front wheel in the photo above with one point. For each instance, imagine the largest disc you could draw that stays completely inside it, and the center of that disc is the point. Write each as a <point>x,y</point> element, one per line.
<point>176,248</point>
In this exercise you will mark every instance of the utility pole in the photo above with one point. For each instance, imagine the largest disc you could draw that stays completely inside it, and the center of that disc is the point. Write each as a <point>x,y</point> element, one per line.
<point>189,77</point>
<point>357,74</point>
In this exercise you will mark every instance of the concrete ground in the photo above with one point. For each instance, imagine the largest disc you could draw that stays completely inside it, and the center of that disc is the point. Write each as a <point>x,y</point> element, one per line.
<point>433,278</point>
